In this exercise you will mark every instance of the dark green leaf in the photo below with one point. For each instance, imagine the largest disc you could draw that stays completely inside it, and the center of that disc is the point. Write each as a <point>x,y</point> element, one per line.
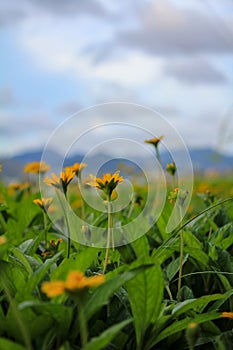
<point>145,296</point>
<point>6,344</point>
<point>106,337</point>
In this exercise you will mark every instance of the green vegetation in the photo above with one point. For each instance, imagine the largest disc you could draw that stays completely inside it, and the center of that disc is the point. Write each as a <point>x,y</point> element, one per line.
<point>150,297</point>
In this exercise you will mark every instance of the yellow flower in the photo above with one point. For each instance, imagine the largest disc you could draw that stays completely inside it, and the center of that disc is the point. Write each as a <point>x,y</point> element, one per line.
<point>76,167</point>
<point>54,181</point>
<point>107,183</point>
<point>75,281</point>
<point>36,167</point>
<point>18,187</point>
<point>155,141</point>
<point>227,314</point>
<point>53,289</point>
<point>43,203</point>
<point>61,183</point>
<point>3,240</point>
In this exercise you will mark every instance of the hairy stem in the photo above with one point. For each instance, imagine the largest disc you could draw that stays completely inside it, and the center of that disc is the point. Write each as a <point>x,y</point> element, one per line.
<point>181,258</point>
<point>108,235</point>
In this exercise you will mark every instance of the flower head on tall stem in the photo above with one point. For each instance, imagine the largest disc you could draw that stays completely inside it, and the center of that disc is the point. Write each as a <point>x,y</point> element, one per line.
<point>61,182</point>
<point>43,203</point>
<point>76,167</point>
<point>155,142</point>
<point>107,183</point>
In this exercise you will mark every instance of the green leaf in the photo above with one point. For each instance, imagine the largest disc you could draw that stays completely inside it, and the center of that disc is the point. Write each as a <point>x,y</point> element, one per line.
<point>77,261</point>
<point>106,337</point>
<point>220,302</point>
<point>22,259</point>
<point>195,248</point>
<point>40,325</point>
<point>29,246</point>
<point>145,296</point>
<point>59,313</point>
<point>13,276</point>
<point>40,273</point>
<point>195,304</point>
<point>179,326</point>
<point>225,263</point>
<point>141,247</point>
<point>198,255</point>
<point>102,294</point>
<point>6,344</point>
<point>163,220</point>
<point>201,213</point>
<point>173,267</point>
<point>166,250</point>
<point>191,240</point>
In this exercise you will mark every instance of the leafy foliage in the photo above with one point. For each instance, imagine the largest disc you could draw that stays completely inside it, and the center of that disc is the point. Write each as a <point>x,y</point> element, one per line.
<point>137,306</point>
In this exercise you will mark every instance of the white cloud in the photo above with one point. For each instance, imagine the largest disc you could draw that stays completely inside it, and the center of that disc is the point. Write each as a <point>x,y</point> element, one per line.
<point>59,48</point>
<point>143,51</point>
<point>132,70</point>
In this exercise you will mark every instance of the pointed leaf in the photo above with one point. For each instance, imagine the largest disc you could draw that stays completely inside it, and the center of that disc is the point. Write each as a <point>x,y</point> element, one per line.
<point>145,296</point>
<point>10,345</point>
<point>106,337</point>
<point>102,294</point>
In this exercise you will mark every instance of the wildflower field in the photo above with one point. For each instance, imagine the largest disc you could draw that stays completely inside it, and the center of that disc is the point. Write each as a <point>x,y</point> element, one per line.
<point>160,291</point>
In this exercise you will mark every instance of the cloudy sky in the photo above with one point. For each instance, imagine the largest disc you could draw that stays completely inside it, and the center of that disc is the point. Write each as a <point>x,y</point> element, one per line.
<point>173,56</point>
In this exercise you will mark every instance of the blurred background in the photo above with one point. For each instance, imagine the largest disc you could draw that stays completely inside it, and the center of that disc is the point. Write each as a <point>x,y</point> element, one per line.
<point>59,57</point>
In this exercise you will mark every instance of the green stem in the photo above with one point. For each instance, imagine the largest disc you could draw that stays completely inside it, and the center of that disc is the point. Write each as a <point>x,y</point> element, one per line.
<point>83,325</point>
<point>169,292</point>
<point>181,259</point>
<point>67,223</point>
<point>181,262</point>
<point>157,154</point>
<point>173,181</point>
<point>111,228</point>
<point>45,230</point>
<point>108,235</point>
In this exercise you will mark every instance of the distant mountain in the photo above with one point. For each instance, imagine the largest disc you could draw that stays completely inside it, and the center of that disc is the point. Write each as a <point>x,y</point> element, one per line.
<point>52,157</point>
<point>202,160</point>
